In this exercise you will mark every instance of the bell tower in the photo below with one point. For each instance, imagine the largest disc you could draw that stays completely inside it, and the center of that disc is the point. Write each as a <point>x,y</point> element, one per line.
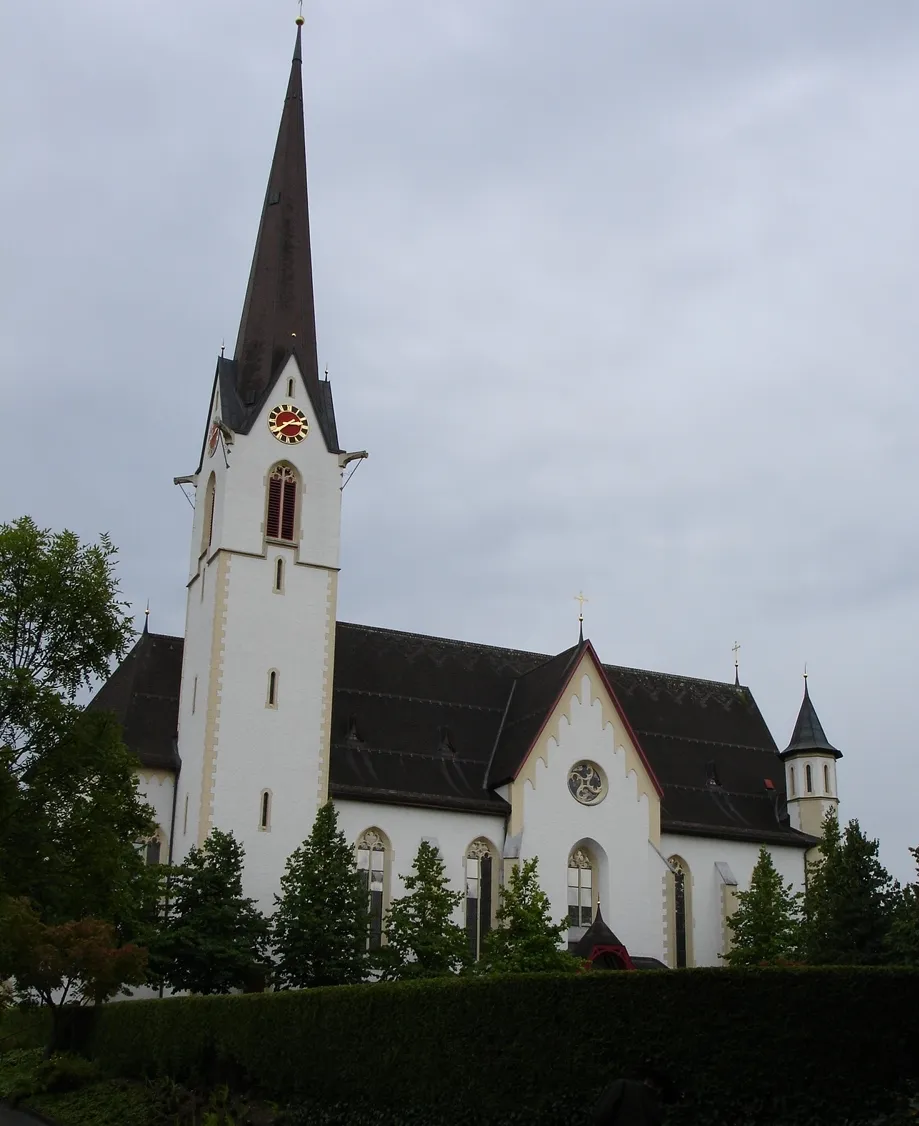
<point>256,694</point>
<point>810,771</point>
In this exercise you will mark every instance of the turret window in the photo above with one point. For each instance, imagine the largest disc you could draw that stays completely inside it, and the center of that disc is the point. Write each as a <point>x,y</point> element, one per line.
<point>281,521</point>
<point>791,780</point>
<point>809,778</point>
<point>272,701</point>
<point>826,778</point>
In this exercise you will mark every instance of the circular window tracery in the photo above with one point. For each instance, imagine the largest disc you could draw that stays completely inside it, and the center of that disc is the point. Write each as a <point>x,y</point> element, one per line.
<point>586,783</point>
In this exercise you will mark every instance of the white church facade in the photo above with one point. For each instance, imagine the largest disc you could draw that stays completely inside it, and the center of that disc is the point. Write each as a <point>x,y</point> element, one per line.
<point>646,794</point>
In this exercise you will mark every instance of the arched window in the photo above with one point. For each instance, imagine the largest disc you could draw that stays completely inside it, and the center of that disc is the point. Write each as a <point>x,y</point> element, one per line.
<point>264,811</point>
<point>581,888</point>
<point>679,913</point>
<point>826,778</point>
<point>480,868</point>
<point>281,523</point>
<point>290,388</point>
<point>272,700</point>
<point>791,780</point>
<point>279,575</point>
<point>207,525</point>
<point>809,778</point>
<point>153,850</point>
<point>372,864</point>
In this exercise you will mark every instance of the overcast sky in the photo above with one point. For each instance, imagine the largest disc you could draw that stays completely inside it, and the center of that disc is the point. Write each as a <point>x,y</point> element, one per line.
<point>620,295</point>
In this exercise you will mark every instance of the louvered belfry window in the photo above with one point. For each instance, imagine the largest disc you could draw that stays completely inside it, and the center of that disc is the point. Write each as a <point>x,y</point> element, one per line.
<point>282,504</point>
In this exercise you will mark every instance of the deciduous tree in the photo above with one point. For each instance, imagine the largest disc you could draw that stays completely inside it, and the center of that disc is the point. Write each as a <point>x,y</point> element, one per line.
<point>525,940</point>
<point>421,938</point>
<point>319,929</point>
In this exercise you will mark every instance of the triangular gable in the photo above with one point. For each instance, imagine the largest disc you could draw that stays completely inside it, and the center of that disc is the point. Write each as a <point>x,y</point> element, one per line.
<point>586,665</point>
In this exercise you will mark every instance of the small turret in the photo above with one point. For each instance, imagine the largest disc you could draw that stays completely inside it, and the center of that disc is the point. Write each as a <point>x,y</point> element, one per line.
<point>810,771</point>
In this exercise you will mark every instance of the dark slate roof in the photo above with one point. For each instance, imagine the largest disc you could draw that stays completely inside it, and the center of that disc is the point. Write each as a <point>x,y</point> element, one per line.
<point>597,934</point>
<point>278,314</point>
<point>425,721</point>
<point>143,693</point>
<point>808,734</point>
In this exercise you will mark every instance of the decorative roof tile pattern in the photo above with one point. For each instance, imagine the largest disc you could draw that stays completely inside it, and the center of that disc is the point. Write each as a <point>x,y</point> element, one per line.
<point>433,722</point>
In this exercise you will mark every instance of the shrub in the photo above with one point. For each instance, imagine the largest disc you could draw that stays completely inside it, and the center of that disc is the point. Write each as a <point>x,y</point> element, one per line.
<point>751,1045</point>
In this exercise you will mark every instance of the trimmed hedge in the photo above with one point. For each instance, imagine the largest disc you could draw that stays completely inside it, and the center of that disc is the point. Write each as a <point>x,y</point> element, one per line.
<point>795,1045</point>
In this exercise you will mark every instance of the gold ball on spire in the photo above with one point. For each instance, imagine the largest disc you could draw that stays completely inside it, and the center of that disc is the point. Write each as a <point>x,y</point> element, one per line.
<point>299,21</point>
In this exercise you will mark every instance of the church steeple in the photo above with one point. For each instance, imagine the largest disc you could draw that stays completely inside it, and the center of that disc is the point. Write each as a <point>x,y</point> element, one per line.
<point>278,315</point>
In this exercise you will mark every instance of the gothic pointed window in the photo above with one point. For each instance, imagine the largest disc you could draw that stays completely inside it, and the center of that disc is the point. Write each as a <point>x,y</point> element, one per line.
<point>207,526</point>
<point>372,864</point>
<point>679,938</point>
<point>281,521</point>
<point>153,850</point>
<point>809,778</point>
<point>581,885</point>
<point>480,868</point>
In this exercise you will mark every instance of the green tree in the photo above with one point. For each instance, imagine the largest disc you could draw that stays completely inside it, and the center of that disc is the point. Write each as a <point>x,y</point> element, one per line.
<point>525,940</point>
<point>70,812</point>
<point>903,940</point>
<point>766,923</point>
<point>421,938</point>
<point>848,904</point>
<point>213,939</point>
<point>319,930</point>
<point>61,623</point>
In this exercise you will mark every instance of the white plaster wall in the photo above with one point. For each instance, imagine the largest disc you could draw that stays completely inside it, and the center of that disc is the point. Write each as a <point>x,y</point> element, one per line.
<point>701,854</point>
<point>157,787</point>
<point>406,827</point>
<point>617,829</point>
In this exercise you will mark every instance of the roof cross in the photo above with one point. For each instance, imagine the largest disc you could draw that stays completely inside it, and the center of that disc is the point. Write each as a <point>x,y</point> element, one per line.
<point>735,649</point>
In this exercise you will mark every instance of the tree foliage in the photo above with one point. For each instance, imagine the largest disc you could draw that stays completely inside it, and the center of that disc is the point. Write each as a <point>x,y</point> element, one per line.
<point>61,623</point>
<point>766,923</point>
<point>421,938</point>
<point>849,901</point>
<point>80,961</point>
<point>525,940</point>
<point>319,929</point>
<point>212,939</point>
<point>903,940</point>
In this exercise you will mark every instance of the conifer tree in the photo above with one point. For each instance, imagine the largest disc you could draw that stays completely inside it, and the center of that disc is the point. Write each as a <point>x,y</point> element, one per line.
<point>525,940</point>
<point>213,938</point>
<point>848,904</point>
<point>766,924</point>
<point>903,940</point>
<point>319,929</point>
<point>421,938</point>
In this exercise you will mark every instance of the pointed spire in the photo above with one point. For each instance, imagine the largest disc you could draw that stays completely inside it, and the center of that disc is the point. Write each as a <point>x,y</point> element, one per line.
<point>278,313</point>
<point>808,734</point>
<point>147,617</point>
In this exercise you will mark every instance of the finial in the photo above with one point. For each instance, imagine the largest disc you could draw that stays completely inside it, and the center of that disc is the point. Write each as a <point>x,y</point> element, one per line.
<point>735,649</point>
<point>299,19</point>
<point>580,599</point>
<point>223,345</point>
<point>147,617</point>
<point>327,373</point>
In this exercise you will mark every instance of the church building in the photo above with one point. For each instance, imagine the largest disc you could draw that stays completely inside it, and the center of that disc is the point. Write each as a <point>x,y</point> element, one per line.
<point>644,793</point>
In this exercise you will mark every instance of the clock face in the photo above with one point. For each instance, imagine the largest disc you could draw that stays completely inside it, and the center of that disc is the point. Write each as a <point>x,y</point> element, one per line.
<point>213,440</point>
<point>288,424</point>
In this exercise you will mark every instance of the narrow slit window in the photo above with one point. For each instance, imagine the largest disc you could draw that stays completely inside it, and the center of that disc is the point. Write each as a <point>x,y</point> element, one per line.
<point>282,504</point>
<point>371,865</point>
<point>273,689</point>
<point>185,820</point>
<point>264,810</point>
<point>791,780</point>
<point>207,527</point>
<point>194,695</point>
<point>809,778</point>
<point>279,575</point>
<point>290,388</point>
<point>826,777</point>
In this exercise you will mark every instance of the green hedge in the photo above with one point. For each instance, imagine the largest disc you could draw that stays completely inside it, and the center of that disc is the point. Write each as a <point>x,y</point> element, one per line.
<point>796,1045</point>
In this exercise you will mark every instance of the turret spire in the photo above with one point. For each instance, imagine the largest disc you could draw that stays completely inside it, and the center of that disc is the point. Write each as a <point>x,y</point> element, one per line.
<point>808,734</point>
<point>278,314</point>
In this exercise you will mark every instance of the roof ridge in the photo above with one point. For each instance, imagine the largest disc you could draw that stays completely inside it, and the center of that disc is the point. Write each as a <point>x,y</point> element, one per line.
<point>479,645</point>
<point>681,676</point>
